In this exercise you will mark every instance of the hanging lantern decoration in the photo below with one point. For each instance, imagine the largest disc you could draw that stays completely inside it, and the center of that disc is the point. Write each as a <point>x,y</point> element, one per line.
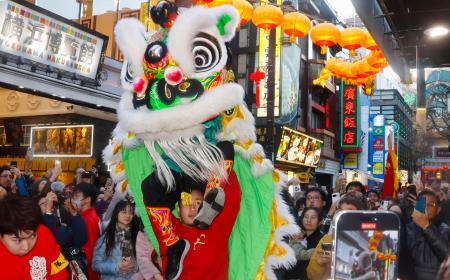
<point>367,68</point>
<point>256,77</point>
<point>267,17</point>
<point>351,39</point>
<point>325,35</point>
<point>295,24</point>
<point>376,59</point>
<point>216,3</point>
<point>202,2</point>
<point>245,10</point>
<point>369,43</point>
<point>360,69</point>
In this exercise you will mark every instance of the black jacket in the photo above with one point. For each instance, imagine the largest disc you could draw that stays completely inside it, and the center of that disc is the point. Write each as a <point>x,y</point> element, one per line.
<point>428,248</point>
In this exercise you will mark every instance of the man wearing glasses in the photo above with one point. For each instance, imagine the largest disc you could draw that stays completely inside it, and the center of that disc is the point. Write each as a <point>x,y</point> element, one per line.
<point>12,181</point>
<point>428,239</point>
<point>6,178</point>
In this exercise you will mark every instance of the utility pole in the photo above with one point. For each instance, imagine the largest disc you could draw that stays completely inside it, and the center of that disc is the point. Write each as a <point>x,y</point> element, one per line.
<point>113,55</point>
<point>79,10</point>
<point>270,119</point>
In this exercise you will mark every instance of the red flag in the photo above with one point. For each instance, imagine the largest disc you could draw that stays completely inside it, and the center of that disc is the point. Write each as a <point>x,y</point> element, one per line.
<point>390,186</point>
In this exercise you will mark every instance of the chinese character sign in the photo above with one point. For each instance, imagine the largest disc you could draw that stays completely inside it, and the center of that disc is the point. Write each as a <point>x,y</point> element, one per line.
<point>263,64</point>
<point>43,39</point>
<point>349,116</point>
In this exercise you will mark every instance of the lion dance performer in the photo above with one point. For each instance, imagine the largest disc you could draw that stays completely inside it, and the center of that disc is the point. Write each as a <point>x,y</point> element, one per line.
<point>183,125</point>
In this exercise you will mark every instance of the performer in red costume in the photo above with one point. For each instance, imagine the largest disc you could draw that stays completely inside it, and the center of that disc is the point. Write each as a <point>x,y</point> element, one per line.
<point>208,255</point>
<point>28,249</point>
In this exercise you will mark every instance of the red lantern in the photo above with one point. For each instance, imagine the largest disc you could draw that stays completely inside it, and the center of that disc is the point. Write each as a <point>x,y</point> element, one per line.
<point>256,77</point>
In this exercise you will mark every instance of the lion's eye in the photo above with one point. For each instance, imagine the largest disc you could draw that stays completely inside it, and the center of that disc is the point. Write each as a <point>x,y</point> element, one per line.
<point>155,52</point>
<point>207,52</point>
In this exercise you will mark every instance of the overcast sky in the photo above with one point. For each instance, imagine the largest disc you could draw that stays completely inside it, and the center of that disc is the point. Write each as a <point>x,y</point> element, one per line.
<point>69,8</point>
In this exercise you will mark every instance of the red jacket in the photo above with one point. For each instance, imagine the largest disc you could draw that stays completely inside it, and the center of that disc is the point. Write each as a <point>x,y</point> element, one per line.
<point>93,228</point>
<point>208,254</point>
<point>44,261</point>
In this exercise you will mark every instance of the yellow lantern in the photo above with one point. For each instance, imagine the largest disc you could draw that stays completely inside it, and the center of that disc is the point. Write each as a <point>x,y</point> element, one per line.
<point>325,35</point>
<point>295,24</point>
<point>216,3</point>
<point>376,59</point>
<point>358,70</point>
<point>351,39</point>
<point>202,2</point>
<point>343,69</point>
<point>245,10</point>
<point>369,43</point>
<point>332,64</point>
<point>267,17</point>
<point>365,67</point>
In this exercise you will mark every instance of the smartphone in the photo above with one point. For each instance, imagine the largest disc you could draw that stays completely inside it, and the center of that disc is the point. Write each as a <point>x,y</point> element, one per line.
<point>327,247</point>
<point>335,197</point>
<point>366,243</point>
<point>384,205</point>
<point>13,163</point>
<point>420,204</point>
<point>411,189</point>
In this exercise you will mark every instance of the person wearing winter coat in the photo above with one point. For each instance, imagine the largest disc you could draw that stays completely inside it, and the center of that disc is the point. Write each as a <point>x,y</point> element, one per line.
<point>427,238</point>
<point>144,256</point>
<point>115,251</point>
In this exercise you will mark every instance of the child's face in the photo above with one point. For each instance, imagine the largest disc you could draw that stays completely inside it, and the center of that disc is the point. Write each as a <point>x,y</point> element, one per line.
<point>188,212</point>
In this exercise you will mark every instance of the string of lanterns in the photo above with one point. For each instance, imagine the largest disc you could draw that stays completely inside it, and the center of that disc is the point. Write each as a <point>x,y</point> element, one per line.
<point>296,25</point>
<point>372,246</point>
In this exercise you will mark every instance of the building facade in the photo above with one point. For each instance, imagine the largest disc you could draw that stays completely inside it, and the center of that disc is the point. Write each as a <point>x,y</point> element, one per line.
<point>391,104</point>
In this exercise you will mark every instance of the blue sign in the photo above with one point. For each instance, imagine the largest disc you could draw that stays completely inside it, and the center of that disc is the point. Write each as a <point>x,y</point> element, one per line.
<point>376,147</point>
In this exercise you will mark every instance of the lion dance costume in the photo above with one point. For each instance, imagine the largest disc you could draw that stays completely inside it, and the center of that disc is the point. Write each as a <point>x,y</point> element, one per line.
<point>183,124</point>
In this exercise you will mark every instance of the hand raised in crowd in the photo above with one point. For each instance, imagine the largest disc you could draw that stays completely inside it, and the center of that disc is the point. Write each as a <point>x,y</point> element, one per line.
<point>56,171</point>
<point>15,171</point>
<point>323,257</point>
<point>298,237</point>
<point>50,199</point>
<point>108,194</point>
<point>70,205</point>
<point>126,265</point>
<point>420,219</point>
<point>333,208</point>
<point>412,198</point>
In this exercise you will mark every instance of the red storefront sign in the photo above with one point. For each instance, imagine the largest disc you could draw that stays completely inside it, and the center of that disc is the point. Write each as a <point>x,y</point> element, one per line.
<point>349,116</point>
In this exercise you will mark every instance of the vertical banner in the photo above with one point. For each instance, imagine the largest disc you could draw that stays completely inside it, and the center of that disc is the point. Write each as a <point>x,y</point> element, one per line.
<point>350,123</point>
<point>263,64</point>
<point>144,16</point>
<point>377,146</point>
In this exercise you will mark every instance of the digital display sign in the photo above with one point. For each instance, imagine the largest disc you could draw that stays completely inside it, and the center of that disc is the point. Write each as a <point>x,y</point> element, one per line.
<point>298,148</point>
<point>350,132</point>
<point>62,141</point>
<point>43,37</point>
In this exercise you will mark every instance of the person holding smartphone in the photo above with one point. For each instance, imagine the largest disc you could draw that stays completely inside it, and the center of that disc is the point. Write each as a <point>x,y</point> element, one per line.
<point>115,251</point>
<point>427,238</point>
<point>305,243</point>
<point>319,267</point>
<point>69,230</point>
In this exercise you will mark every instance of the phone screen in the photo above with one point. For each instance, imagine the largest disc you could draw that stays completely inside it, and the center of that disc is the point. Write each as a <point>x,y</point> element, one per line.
<point>368,248</point>
<point>420,204</point>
